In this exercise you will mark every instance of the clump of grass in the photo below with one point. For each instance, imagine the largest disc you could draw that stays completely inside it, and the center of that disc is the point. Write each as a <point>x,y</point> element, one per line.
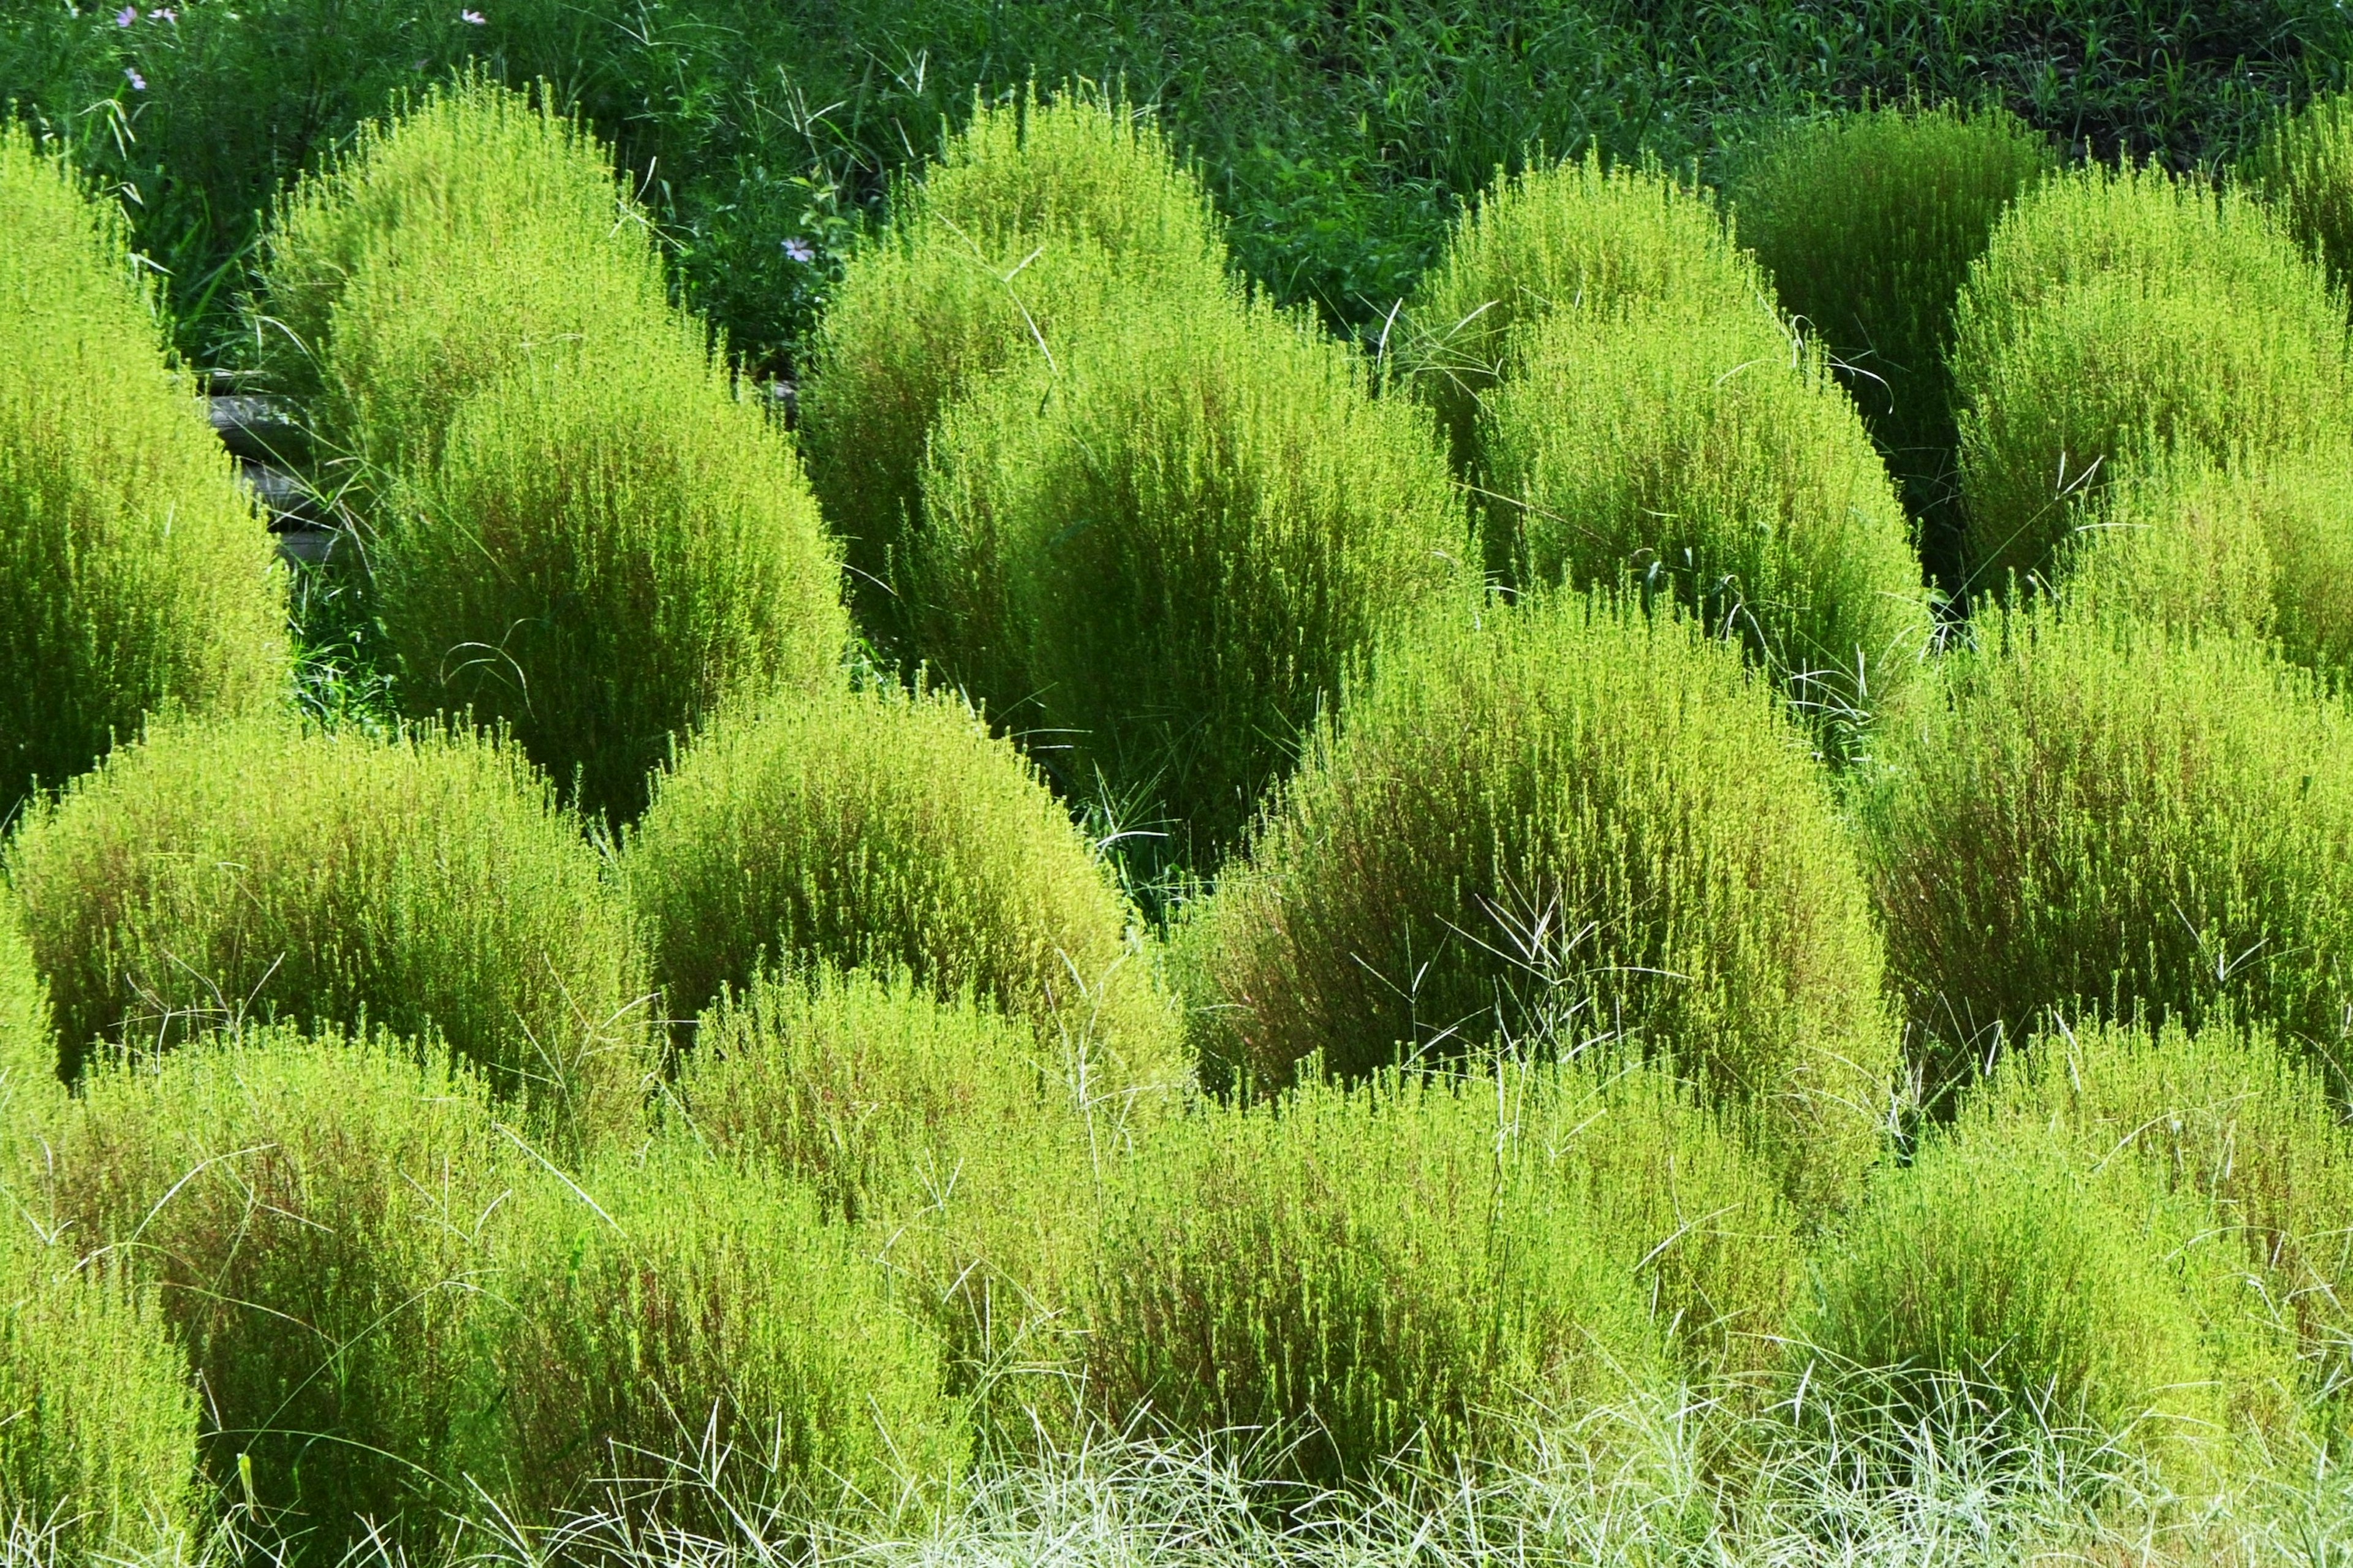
<point>2100,818</point>
<point>1867,224</point>
<point>1358,1276</point>
<point>28,1044</point>
<point>1710,458</point>
<point>2304,168</point>
<point>1580,822</point>
<point>2125,316</point>
<point>1039,221</point>
<point>667,1306</point>
<point>584,530</point>
<point>890,830</point>
<point>1159,558</point>
<point>2076,1300</point>
<point>1582,235</point>
<point>426,885</point>
<point>314,1213</point>
<point>98,1453</point>
<point>134,572</point>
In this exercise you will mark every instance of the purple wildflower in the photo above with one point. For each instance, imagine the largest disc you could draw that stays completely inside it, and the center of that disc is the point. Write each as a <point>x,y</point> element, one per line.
<point>800,250</point>
<point>164,13</point>
<point>473,18</point>
<point>138,82</point>
<point>127,15</point>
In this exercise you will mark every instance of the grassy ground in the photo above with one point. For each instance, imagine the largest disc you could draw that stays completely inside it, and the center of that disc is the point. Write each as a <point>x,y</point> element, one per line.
<point>1340,135</point>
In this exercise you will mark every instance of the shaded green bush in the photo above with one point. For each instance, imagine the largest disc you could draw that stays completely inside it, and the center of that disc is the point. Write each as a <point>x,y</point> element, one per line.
<point>2222,1115</point>
<point>1580,822</point>
<point>673,1309</point>
<point>29,1045</point>
<point>1711,458</point>
<point>2305,169</point>
<point>2080,1301</point>
<point>2098,817</point>
<point>1579,234</point>
<point>585,532</point>
<point>2123,316</point>
<point>882,829</point>
<point>426,885</point>
<point>1160,558</point>
<point>98,1418</point>
<point>1038,221</point>
<point>134,572</point>
<point>1361,1274</point>
<point>315,1212</point>
<point>1867,224</point>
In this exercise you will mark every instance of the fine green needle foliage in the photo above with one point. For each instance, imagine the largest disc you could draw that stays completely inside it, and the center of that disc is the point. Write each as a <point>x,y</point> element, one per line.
<point>427,885</point>
<point>1159,560</point>
<point>669,1314</point>
<point>29,1045</point>
<point>1039,222</point>
<point>134,572</point>
<point>2222,1114</point>
<point>1358,1274</point>
<point>98,1417</point>
<point>2305,169</point>
<point>2082,1301</point>
<point>890,830</point>
<point>1867,224</point>
<point>1579,234</point>
<point>1581,821</point>
<point>1712,458</point>
<point>315,1214</point>
<point>2125,316</point>
<point>2097,816</point>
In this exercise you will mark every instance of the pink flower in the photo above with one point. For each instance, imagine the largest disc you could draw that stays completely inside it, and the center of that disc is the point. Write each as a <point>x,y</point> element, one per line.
<point>127,15</point>
<point>138,82</point>
<point>473,18</point>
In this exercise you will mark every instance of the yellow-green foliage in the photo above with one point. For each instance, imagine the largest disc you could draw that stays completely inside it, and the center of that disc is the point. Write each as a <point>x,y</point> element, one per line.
<point>972,1154</point>
<point>1162,554</point>
<point>2222,1114</point>
<point>29,1045</point>
<point>2305,169</point>
<point>1040,221</point>
<point>585,532</point>
<point>1579,821</point>
<point>98,1417</point>
<point>315,1211</point>
<point>672,1307</point>
<point>2096,817</point>
<point>1867,224</point>
<point>134,572</point>
<point>884,829</point>
<point>1362,1272</point>
<point>2120,317</point>
<point>1576,235</point>
<point>2077,1298</point>
<point>1712,458</point>
<point>427,885</point>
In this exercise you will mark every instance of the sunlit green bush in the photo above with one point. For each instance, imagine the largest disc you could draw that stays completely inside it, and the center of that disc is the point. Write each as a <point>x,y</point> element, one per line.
<point>2099,817</point>
<point>134,572</point>
<point>2120,318</point>
<point>2305,169</point>
<point>1579,823</point>
<point>29,1045</point>
<point>895,831</point>
<point>316,1212</point>
<point>1160,559</point>
<point>429,885</point>
<point>1711,458</point>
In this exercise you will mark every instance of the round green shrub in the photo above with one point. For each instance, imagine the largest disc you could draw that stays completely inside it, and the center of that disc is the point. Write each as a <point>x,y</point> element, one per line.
<point>1867,224</point>
<point>316,1212</point>
<point>1161,558</point>
<point>1361,1274</point>
<point>428,886</point>
<point>2099,818</point>
<point>2305,170</point>
<point>98,1417</point>
<point>669,1310</point>
<point>890,830</point>
<point>1712,458</point>
<point>2081,1302</point>
<point>1038,221</point>
<point>28,1044</point>
<point>1579,821</point>
<point>1578,235</point>
<point>134,572</point>
<point>2120,317</point>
